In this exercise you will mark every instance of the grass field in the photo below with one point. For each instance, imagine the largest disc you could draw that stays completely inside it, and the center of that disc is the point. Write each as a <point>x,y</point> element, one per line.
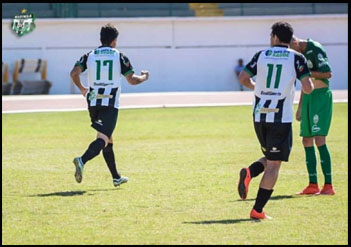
<point>183,166</point>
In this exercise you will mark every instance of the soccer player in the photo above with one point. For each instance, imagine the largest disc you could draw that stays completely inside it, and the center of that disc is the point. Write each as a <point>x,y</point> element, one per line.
<point>104,65</point>
<point>276,70</point>
<point>315,113</point>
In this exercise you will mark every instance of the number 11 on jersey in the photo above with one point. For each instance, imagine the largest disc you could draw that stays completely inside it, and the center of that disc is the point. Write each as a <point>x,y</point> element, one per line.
<point>277,76</point>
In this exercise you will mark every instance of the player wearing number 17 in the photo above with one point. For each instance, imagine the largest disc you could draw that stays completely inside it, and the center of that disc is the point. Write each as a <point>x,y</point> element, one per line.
<point>276,69</point>
<point>104,65</point>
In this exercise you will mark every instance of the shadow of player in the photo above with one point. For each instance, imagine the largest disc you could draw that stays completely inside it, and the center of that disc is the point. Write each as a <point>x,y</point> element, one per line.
<point>229,221</point>
<point>278,197</point>
<point>69,193</point>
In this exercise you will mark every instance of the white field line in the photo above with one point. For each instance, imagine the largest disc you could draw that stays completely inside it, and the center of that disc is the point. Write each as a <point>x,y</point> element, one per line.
<point>149,106</point>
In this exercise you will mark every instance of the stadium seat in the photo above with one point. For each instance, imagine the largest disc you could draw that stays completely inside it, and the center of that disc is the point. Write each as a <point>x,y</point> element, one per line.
<point>28,68</point>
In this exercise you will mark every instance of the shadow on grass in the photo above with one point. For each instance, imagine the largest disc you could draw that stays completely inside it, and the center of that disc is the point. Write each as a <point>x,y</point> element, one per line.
<point>230,221</point>
<point>64,193</point>
<point>279,197</point>
<point>69,193</point>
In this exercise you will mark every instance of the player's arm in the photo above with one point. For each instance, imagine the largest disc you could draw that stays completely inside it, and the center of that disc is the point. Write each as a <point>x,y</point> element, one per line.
<point>78,68</point>
<point>76,71</point>
<point>245,79</point>
<point>307,88</point>
<point>128,71</point>
<point>321,75</point>
<point>249,71</point>
<point>134,79</point>
<point>303,74</point>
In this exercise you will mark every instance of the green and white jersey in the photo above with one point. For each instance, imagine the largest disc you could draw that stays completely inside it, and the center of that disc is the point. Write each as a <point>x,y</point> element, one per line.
<point>105,67</point>
<point>317,59</point>
<point>276,69</point>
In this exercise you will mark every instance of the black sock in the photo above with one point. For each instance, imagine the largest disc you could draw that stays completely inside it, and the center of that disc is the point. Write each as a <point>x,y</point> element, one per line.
<point>262,198</point>
<point>109,157</point>
<point>93,150</point>
<point>256,168</point>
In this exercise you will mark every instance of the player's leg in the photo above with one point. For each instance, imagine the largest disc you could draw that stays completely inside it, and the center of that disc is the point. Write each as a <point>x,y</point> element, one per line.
<point>95,147</point>
<point>311,164</point>
<point>307,141</point>
<point>246,174</point>
<point>93,150</point>
<point>326,165</point>
<point>277,149</point>
<point>109,157</point>
<point>321,127</point>
<point>265,190</point>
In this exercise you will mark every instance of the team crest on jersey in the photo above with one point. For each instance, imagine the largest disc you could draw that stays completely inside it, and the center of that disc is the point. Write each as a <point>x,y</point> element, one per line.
<point>24,23</point>
<point>315,119</point>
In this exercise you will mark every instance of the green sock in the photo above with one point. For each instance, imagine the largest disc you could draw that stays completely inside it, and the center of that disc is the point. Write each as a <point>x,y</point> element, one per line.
<point>311,162</point>
<point>326,163</point>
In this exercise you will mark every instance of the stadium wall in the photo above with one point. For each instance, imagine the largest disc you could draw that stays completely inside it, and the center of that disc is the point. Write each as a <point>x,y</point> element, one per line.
<point>182,54</point>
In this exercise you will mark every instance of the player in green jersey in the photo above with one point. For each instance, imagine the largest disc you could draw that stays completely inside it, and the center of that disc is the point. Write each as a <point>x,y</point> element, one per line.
<point>315,113</point>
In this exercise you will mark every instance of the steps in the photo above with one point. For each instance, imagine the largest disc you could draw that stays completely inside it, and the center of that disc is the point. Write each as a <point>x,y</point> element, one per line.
<point>206,9</point>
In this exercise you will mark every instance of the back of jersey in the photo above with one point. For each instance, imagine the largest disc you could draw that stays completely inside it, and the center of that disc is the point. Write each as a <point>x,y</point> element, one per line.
<point>104,69</point>
<point>277,69</point>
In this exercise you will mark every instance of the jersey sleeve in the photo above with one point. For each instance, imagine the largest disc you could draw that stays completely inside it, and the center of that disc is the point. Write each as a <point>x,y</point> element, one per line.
<point>82,62</point>
<point>301,67</point>
<point>322,61</point>
<point>126,66</point>
<point>251,67</point>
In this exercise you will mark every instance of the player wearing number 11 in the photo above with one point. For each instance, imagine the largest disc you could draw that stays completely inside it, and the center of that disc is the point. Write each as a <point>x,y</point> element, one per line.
<point>104,65</point>
<point>276,69</point>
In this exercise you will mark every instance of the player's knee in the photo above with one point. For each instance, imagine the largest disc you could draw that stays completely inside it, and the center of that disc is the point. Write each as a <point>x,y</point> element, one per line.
<point>307,142</point>
<point>108,148</point>
<point>263,160</point>
<point>104,137</point>
<point>319,140</point>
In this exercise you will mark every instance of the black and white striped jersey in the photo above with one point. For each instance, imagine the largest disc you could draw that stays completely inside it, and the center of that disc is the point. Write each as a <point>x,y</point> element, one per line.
<point>276,70</point>
<point>105,67</point>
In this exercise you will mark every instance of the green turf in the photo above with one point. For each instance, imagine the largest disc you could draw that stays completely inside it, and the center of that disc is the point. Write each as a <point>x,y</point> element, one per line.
<point>183,166</point>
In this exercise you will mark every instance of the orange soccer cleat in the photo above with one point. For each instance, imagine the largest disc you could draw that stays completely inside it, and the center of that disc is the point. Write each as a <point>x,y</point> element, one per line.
<point>258,216</point>
<point>311,189</point>
<point>244,181</point>
<point>327,190</point>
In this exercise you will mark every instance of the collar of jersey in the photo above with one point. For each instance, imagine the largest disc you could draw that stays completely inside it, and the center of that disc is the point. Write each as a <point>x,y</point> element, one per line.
<point>285,46</point>
<point>104,46</point>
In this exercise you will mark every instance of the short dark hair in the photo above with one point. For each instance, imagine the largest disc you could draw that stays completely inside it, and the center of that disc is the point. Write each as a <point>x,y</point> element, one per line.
<point>107,34</point>
<point>283,30</point>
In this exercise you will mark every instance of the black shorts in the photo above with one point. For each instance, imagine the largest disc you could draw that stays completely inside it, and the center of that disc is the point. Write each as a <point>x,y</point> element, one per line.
<point>275,140</point>
<point>103,119</point>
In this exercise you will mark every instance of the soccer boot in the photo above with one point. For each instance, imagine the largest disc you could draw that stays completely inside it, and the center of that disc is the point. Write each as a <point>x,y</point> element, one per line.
<point>79,169</point>
<point>244,181</point>
<point>311,189</point>
<point>327,190</point>
<point>258,216</point>
<point>119,181</point>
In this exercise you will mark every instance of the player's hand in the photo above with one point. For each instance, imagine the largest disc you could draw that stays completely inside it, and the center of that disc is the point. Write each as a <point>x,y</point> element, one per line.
<point>84,91</point>
<point>298,115</point>
<point>145,73</point>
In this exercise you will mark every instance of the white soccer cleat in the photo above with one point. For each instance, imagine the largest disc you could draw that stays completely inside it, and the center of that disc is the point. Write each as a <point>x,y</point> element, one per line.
<point>79,169</point>
<point>119,181</point>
